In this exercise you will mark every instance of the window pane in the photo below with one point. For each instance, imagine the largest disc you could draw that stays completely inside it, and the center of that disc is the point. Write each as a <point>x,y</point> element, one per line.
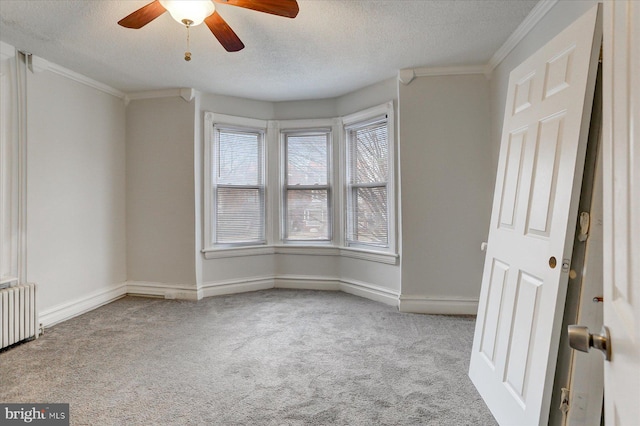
<point>238,158</point>
<point>371,216</point>
<point>307,159</point>
<point>307,215</point>
<point>239,215</point>
<point>371,153</point>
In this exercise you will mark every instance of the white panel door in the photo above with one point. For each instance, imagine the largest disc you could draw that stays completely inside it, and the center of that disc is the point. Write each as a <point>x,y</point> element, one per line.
<point>532,224</point>
<point>621,160</point>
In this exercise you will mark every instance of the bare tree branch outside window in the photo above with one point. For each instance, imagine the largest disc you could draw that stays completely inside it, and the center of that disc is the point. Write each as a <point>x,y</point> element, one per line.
<point>368,203</point>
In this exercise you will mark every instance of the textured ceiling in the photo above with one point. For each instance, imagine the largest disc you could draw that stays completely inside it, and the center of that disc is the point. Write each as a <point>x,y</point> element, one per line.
<point>331,48</point>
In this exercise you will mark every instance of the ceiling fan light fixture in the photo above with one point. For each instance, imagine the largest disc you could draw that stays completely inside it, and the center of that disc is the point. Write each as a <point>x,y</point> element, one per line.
<point>192,11</point>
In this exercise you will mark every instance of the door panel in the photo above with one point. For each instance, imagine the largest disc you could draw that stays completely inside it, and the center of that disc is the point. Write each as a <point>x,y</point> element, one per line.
<point>513,168</point>
<point>532,224</point>
<point>545,175</point>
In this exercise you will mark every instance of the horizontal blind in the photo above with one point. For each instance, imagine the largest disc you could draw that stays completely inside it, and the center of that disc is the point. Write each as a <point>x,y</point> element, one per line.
<point>239,215</point>
<point>239,186</point>
<point>372,215</point>
<point>307,214</point>
<point>307,187</point>
<point>368,175</point>
<point>239,159</point>
<point>369,153</point>
<point>307,159</point>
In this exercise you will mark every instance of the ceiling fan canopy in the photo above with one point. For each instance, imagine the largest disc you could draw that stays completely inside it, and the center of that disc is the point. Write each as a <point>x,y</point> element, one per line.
<point>194,12</point>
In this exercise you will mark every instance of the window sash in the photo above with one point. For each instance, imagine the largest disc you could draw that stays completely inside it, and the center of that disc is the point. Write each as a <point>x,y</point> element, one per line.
<point>302,225</point>
<point>373,233</point>
<point>245,222</point>
<point>307,220</point>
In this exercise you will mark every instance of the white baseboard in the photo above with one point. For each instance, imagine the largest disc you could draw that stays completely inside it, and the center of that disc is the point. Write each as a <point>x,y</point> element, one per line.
<point>438,305</point>
<point>79,306</point>
<point>414,304</point>
<point>243,285</point>
<point>305,282</point>
<point>165,291</point>
<point>369,291</point>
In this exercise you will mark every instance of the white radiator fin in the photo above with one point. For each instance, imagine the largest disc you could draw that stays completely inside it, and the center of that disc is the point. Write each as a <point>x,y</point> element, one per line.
<point>18,315</point>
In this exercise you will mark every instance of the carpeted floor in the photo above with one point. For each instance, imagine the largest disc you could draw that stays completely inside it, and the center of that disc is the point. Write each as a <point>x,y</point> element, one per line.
<point>275,357</point>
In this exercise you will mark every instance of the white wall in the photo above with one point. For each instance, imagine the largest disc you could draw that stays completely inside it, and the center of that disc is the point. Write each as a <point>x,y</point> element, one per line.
<point>375,94</point>
<point>160,191</point>
<point>240,107</point>
<point>75,190</point>
<point>445,157</point>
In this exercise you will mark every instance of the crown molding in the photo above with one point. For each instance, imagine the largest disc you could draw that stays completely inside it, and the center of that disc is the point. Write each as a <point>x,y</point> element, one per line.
<point>38,64</point>
<point>406,76</point>
<point>185,93</point>
<point>532,19</point>
<point>456,70</point>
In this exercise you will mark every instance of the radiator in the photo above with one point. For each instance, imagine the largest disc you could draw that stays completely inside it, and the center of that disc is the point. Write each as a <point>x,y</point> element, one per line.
<point>18,315</point>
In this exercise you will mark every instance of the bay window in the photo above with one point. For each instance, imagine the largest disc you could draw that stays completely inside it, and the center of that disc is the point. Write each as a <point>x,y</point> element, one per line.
<point>330,188</point>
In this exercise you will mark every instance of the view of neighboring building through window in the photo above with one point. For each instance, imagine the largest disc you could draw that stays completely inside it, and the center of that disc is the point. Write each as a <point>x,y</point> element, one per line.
<point>367,183</point>
<point>238,186</point>
<point>307,190</point>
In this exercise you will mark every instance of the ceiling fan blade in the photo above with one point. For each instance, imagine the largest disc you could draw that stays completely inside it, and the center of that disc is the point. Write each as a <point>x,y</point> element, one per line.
<point>143,16</point>
<point>286,8</point>
<point>223,32</point>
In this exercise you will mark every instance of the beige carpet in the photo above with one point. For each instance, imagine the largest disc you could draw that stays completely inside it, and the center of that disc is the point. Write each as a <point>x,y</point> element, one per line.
<point>275,357</point>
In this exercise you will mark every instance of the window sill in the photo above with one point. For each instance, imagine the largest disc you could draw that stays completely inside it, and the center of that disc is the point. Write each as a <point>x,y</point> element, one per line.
<point>370,255</point>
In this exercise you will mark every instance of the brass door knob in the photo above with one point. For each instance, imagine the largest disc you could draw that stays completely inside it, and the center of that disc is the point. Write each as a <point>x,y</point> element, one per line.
<point>580,339</point>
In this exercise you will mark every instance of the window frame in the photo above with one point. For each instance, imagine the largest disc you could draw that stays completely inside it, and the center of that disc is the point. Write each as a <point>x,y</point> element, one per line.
<point>213,123</point>
<point>357,120</point>
<point>310,130</point>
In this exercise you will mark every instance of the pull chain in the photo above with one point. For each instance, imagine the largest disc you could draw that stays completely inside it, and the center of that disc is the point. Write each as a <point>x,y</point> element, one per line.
<point>187,54</point>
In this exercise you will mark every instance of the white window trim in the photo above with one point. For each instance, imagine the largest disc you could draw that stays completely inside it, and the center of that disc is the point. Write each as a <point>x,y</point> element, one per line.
<point>328,187</point>
<point>212,119</point>
<point>363,116</point>
<point>292,126</point>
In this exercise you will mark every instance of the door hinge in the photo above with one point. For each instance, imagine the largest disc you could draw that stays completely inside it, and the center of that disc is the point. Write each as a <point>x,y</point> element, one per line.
<point>564,401</point>
<point>584,222</point>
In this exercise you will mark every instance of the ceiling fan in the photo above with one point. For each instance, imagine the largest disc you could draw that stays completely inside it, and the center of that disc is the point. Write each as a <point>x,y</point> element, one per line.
<point>194,12</point>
